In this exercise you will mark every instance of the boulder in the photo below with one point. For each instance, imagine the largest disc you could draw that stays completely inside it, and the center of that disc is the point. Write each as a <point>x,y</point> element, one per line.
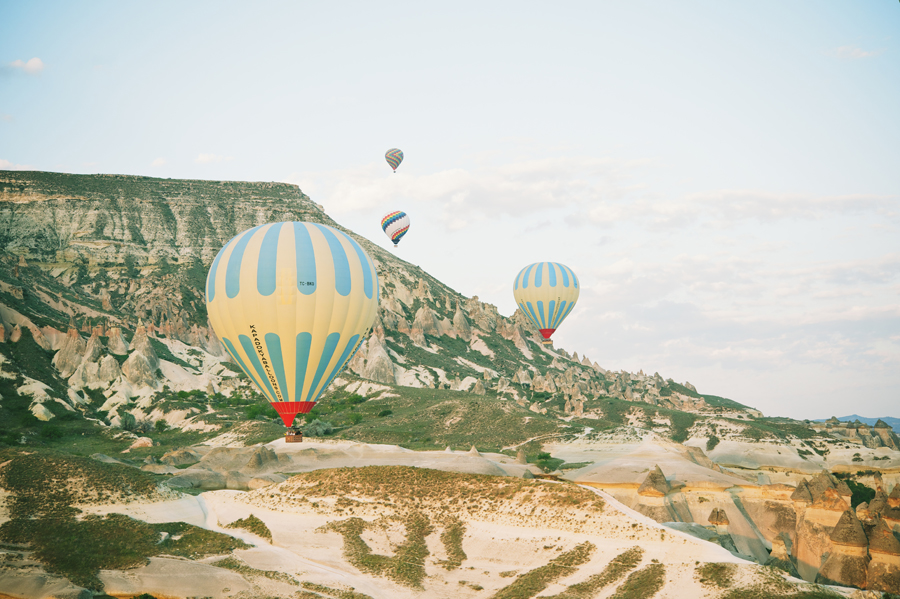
<point>196,478</point>
<point>262,458</point>
<point>180,457</point>
<point>479,388</point>
<point>141,442</point>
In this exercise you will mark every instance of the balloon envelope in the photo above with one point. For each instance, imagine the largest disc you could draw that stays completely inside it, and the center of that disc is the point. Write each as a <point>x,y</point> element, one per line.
<point>395,225</point>
<point>292,302</point>
<point>546,292</point>
<point>394,157</point>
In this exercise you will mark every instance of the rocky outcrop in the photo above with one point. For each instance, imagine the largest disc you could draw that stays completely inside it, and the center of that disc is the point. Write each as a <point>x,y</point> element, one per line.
<point>116,343</point>
<point>884,550</point>
<point>655,485</point>
<point>848,560</point>
<point>70,353</point>
<point>780,557</point>
<point>373,362</point>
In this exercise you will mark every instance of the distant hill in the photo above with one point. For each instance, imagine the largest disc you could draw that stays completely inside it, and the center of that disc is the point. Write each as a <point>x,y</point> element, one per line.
<point>894,422</point>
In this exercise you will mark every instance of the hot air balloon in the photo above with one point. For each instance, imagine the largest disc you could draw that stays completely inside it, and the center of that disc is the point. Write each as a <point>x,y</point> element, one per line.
<point>546,293</point>
<point>292,302</point>
<point>395,225</point>
<point>394,157</point>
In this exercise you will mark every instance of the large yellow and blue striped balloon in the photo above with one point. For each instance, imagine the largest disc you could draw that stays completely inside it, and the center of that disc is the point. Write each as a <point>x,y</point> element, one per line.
<point>292,302</point>
<point>546,292</point>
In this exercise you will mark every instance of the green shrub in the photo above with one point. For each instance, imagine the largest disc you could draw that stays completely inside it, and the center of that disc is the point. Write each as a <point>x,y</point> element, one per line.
<point>712,442</point>
<point>384,413</point>
<point>318,428</point>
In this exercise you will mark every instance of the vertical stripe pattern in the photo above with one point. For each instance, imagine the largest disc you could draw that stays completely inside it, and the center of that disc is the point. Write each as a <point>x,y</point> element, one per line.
<point>546,292</point>
<point>292,302</point>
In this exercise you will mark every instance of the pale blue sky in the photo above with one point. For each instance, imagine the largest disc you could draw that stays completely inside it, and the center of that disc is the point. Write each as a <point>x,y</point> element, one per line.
<point>722,176</point>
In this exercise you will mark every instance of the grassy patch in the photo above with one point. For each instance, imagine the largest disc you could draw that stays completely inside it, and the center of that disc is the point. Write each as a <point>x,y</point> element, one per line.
<point>452,538</point>
<point>252,524</point>
<point>533,582</point>
<point>232,563</point>
<point>406,566</point>
<point>323,591</point>
<point>642,584</point>
<point>771,583</point>
<point>409,488</point>
<point>715,574</point>
<point>115,541</point>
<point>613,572</point>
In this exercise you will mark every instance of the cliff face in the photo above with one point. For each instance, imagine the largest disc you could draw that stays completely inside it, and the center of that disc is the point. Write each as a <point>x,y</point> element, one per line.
<point>57,217</point>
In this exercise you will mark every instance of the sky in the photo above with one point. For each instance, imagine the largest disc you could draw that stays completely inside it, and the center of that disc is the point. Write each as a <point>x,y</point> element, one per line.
<point>724,177</point>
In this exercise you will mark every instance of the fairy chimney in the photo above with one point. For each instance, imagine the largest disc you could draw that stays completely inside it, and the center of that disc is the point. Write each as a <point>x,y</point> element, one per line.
<point>655,485</point>
<point>848,561</point>
<point>884,549</point>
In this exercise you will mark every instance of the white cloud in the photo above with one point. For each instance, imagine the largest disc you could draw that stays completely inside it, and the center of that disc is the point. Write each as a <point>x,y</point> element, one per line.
<point>212,158</point>
<point>577,190</point>
<point>160,162</point>
<point>6,165</point>
<point>855,52</point>
<point>32,66</point>
<point>515,189</point>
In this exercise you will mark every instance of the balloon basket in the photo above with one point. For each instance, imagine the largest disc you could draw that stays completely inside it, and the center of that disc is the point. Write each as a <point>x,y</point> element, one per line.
<point>293,437</point>
<point>547,342</point>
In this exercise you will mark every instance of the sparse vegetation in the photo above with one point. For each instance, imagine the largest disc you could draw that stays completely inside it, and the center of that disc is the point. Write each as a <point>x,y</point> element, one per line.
<point>236,565</point>
<point>252,524</point>
<point>612,573</point>
<point>716,574</point>
<point>315,591</point>
<point>406,566</point>
<point>533,582</point>
<point>643,584</point>
<point>452,537</point>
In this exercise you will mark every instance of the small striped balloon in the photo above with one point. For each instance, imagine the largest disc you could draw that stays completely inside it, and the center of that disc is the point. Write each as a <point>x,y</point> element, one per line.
<point>546,292</point>
<point>292,302</point>
<point>394,157</point>
<point>395,225</point>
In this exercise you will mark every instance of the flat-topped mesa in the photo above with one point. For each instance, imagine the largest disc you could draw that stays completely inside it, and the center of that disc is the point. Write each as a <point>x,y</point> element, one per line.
<point>848,561</point>
<point>884,549</point>
<point>655,485</point>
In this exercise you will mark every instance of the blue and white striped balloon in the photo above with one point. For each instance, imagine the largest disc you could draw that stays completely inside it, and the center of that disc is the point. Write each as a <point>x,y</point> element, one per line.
<point>292,302</point>
<point>546,292</point>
